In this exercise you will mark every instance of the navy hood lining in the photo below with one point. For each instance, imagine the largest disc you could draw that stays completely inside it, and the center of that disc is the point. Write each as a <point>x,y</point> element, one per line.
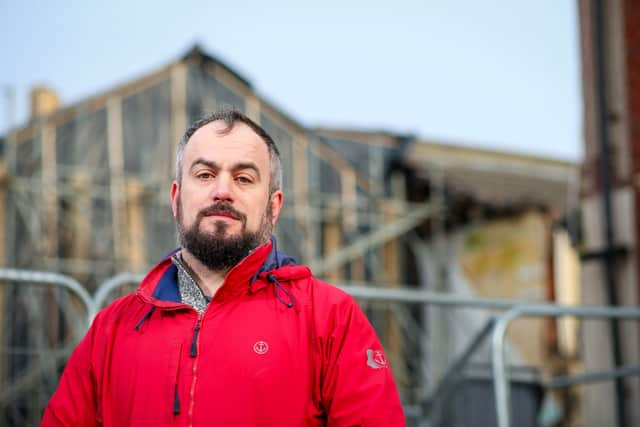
<point>167,287</point>
<point>275,260</point>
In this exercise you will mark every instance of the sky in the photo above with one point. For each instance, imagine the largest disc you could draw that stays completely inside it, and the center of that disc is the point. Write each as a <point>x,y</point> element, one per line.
<point>501,75</point>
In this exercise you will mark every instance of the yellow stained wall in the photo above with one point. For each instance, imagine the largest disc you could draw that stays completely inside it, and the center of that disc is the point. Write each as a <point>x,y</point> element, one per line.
<point>509,259</point>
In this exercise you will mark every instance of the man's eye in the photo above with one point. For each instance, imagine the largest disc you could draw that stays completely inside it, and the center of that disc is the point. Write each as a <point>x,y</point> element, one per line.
<point>243,179</point>
<point>204,175</point>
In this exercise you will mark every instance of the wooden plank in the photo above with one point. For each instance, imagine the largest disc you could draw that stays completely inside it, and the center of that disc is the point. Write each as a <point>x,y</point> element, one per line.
<point>178,109</point>
<point>116,168</point>
<point>349,198</point>
<point>332,241</point>
<point>299,198</point>
<point>80,217</point>
<point>49,165</point>
<point>252,107</point>
<point>136,225</point>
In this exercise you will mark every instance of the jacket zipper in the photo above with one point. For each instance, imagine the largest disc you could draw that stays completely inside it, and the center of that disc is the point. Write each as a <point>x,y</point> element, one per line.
<point>194,353</point>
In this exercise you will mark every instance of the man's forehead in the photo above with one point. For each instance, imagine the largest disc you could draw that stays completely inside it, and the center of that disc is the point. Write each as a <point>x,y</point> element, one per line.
<point>216,138</point>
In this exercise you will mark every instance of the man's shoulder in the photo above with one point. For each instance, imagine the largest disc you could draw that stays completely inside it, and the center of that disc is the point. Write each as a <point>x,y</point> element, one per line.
<point>121,308</point>
<point>320,291</point>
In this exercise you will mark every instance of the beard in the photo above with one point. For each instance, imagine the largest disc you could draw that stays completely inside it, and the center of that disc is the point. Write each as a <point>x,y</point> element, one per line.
<point>218,250</point>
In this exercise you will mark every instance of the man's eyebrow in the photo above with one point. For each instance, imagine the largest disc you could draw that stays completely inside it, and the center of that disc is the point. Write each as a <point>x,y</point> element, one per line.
<point>237,167</point>
<point>247,165</point>
<point>208,163</point>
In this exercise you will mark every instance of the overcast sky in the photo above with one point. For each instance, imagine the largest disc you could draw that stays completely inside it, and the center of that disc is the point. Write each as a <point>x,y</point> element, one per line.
<point>495,74</point>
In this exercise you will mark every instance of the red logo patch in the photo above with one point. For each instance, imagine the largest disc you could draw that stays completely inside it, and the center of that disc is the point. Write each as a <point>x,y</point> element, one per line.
<point>376,359</point>
<point>379,358</point>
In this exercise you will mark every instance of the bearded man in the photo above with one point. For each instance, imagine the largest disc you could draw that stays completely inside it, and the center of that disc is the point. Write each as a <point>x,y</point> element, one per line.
<point>228,331</point>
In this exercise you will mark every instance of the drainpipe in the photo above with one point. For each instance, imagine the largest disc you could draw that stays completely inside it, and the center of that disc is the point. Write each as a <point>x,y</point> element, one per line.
<point>599,26</point>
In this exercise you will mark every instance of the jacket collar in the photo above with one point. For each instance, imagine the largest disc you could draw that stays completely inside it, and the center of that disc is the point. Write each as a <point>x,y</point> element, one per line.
<point>239,278</point>
<point>160,286</point>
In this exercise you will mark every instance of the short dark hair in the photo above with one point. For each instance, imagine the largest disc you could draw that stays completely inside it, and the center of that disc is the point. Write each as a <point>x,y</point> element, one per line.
<point>230,117</point>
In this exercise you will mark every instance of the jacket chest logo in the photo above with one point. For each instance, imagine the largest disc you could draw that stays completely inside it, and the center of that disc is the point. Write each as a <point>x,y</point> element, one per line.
<point>261,347</point>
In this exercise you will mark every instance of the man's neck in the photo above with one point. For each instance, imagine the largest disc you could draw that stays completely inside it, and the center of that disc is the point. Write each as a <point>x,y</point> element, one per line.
<point>208,280</point>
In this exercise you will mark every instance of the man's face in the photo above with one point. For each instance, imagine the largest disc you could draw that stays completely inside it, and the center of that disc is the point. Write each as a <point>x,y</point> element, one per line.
<point>224,198</point>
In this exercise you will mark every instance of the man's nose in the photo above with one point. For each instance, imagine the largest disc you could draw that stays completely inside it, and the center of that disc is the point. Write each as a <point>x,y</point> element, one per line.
<point>222,191</point>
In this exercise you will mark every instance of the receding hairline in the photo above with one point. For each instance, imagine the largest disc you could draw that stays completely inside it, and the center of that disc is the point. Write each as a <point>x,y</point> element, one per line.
<point>225,128</point>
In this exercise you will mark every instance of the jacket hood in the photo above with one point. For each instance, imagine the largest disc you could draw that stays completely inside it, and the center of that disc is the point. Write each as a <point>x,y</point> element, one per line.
<point>281,266</point>
<point>265,265</point>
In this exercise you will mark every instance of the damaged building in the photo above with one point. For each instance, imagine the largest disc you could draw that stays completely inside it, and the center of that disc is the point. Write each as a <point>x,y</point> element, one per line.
<point>85,192</point>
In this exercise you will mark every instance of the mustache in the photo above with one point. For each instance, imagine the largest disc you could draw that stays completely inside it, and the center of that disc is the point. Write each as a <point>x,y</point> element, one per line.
<point>222,208</point>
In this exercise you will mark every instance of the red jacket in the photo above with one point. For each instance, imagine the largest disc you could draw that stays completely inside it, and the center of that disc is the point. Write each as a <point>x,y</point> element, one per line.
<point>275,347</point>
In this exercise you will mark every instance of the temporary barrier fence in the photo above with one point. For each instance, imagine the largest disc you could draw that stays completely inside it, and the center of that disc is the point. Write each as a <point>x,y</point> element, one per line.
<point>514,309</point>
<point>52,279</point>
<point>43,315</point>
<point>500,377</point>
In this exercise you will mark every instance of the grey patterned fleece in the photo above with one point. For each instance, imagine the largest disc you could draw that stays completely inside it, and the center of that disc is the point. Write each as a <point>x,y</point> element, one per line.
<point>190,292</point>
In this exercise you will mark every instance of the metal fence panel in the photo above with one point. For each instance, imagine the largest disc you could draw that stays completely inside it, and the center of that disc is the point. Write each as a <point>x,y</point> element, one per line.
<point>43,317</point>
<point>500,375</point>
<point>45,314</point>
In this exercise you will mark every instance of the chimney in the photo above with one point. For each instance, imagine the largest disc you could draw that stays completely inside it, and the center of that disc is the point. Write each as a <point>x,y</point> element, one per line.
<point>44,101</point>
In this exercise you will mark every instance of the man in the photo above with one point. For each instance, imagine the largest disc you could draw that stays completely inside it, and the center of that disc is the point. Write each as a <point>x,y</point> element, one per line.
<point>228,331</point>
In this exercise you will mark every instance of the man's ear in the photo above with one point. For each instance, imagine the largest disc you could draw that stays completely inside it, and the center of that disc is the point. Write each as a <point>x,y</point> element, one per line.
<point>276,200</point>
<point>175,196</point>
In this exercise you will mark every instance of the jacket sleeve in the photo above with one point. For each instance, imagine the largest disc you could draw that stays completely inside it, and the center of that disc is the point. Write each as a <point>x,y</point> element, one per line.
<point>75,403</point>
<point>358,388</point>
